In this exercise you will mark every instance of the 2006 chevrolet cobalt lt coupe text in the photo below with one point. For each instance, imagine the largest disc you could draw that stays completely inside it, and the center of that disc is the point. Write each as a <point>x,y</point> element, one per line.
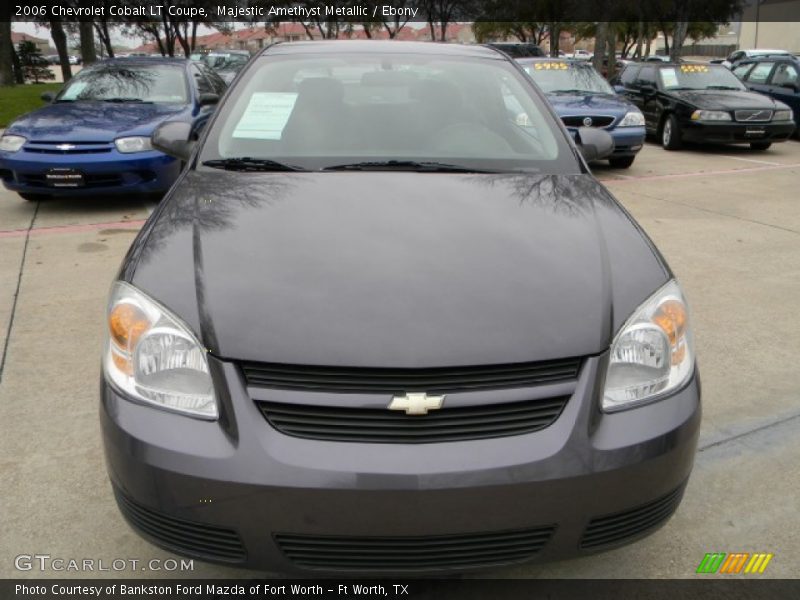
<point>378,325</point>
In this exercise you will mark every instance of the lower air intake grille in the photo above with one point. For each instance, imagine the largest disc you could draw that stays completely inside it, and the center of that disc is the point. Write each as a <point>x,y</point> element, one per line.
<point>385,426</point>
<point>185,537</point>
<point>414,553</point>
<point>350,380</point>
<point>619,527</point>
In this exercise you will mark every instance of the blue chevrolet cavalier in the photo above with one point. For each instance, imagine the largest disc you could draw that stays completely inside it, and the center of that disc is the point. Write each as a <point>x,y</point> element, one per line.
<point>94,136</point>
<point>582,98</point>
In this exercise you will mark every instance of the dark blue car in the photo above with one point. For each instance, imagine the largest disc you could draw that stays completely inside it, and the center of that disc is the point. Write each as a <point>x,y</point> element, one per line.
<point>94,137</point>
<point>582,98</point>
<point>777,76</point>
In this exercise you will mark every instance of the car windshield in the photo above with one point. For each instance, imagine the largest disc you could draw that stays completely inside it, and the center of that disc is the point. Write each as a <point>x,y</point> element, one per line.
<point>699,77</point>
<point>115,82</point>
<point>395,110</point>
<point>563,77</point>
<point>233,62</point>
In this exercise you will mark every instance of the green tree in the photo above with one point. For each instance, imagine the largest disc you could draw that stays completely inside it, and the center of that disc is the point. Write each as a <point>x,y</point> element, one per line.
<point>33,65</point>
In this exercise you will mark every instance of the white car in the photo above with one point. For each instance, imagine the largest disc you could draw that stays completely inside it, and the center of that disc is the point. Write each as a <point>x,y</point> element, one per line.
<point>740,55</point>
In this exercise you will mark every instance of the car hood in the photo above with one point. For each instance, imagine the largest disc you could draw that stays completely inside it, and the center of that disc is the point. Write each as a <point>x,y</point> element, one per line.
<point>395,269</point>
<point>567,105</point>
<point>727,100</point>
<point>93,121</point>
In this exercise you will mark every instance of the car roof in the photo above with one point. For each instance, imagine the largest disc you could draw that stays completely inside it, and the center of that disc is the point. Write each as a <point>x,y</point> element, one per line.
<point>563,59</point>
<point>769,57</point>
<point>383,46</point>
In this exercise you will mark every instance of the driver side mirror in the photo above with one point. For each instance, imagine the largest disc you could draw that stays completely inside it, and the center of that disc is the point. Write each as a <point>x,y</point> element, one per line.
<point>792,86</point>
<point>47,96</point>
<point>207,98</point>
<point>594,144</point>
<point>172,138</point>
<point>620,89</point>
<point>647,89</point>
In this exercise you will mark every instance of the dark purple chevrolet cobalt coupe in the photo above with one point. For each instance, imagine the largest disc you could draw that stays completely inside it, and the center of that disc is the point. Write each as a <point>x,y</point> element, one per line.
<point>387,321</point>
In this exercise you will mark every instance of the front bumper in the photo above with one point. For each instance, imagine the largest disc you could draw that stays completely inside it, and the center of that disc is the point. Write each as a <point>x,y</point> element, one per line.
<point>104,172</point>
<point>736,133</point>
<point>627,141</point>
<point>236,490</point>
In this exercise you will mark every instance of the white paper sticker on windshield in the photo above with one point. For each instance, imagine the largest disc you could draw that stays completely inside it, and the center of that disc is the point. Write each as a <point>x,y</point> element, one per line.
<point>265,116</point>
<point>669,78</point>
<point>74,90</point>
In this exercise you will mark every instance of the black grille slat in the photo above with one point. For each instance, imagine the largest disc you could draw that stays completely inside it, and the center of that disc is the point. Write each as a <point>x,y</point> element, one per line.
<point>189,537</point>
<point>416,552</point>
<point>381,425</point>
<point>618,527</point>
<point>577,121</point>
<point>386,380</point>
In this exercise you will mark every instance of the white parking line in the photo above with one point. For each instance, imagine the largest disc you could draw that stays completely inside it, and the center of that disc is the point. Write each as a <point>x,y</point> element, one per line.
<point>752,160</point>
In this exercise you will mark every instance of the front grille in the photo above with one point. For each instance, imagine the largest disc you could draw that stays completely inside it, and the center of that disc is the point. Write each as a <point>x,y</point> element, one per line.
<point>414,553</point>
<point>47,147</point>
<point>385,426</point>
<point>603,121</point>
<point>616,528</point>
<point>398,381</point>
<point>753,116</point>
<point>186,537</point>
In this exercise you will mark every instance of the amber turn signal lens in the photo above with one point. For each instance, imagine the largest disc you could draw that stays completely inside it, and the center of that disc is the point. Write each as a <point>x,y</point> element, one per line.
<point>672,319</point>
<point>127,323</point>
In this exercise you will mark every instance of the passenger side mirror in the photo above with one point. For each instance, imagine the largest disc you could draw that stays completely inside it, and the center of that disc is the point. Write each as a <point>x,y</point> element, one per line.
<point>594,144</point>
<point>620,89</point>
<point>47,96</point>
<point>172,138</point>
<point>792,86</point>
<point>207,98</point>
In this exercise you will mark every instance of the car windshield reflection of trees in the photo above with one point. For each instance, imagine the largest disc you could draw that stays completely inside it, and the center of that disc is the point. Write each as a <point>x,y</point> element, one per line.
<point>115,82</point>
<point>572,80</point>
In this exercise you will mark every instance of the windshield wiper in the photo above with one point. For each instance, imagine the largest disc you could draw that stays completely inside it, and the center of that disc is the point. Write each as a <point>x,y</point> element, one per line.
<point>246,163</point>
<point>126,100</point>
<point>723,87</point>
<point>573,91</point>
<point>407,165</point>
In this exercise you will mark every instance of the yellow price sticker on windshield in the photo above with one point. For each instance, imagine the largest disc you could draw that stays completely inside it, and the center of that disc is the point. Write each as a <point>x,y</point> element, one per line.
<point>550,66</point>
<point>694,69</point>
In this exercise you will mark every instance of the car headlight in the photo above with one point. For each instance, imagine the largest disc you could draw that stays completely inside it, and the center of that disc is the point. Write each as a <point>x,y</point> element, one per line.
<point>633,119</point>
<point>133,144</point>
<point>11,143</point>
<point>652,354</point>
<point>152,356</point>
<point>783,115</point>
<point>711,115</point>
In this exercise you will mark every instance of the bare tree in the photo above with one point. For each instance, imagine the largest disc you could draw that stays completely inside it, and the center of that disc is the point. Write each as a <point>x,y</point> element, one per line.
<point>88,51</point>
<point>60,41</point>
<point>6,46</point>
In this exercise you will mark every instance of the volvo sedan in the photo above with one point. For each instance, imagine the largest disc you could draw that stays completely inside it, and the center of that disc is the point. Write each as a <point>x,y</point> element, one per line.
<point>382,325</point>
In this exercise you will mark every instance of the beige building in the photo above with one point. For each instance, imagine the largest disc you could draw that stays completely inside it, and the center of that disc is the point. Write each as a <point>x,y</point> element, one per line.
<point>773,24</point>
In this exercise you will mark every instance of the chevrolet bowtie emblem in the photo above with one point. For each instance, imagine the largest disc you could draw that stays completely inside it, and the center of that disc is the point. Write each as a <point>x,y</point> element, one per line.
<point>66,147</point>
<point>416,404</point>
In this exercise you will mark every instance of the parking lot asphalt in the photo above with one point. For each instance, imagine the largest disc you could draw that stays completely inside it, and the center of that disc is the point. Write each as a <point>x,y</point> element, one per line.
<point>728,222</point>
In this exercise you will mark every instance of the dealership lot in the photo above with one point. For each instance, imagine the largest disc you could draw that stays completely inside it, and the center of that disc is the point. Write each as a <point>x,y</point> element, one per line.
<point>727,220</point>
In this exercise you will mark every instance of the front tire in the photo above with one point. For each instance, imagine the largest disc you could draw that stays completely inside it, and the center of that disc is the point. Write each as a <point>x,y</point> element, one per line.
<point>671,134</point>
<point>760,145</point>
<point>621,162</point>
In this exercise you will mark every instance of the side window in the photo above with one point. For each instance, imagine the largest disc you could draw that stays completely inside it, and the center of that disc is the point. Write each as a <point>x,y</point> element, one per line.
<point>741,71</point>
<point>628,76</point>
<point>647,76</point>
<point>785,74</point>
<point>203,85</point>
<point>760,72</point>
